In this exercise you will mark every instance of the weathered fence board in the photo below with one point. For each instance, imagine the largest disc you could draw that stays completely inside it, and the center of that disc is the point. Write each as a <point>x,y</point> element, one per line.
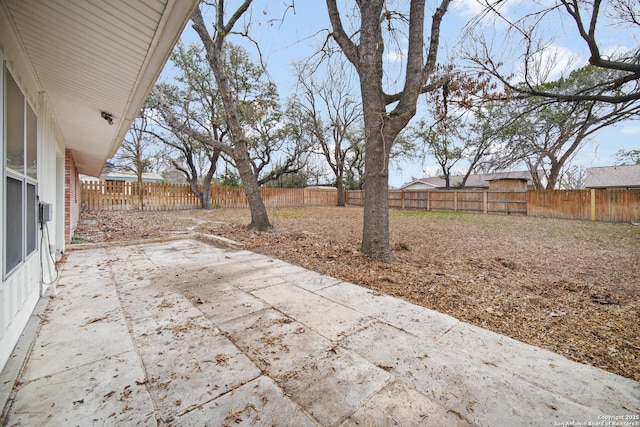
<point>595,205</point>
<point>485,201</point>
<point>115,195</point>
<point>564,204</point>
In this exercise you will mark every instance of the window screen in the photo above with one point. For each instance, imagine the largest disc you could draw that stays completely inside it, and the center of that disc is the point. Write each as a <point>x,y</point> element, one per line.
<point>19,206</point>
<point>13,227</point>
<point>14,125</point>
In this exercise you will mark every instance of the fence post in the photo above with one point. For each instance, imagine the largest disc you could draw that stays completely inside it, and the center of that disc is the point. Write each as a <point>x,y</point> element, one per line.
<point>428,197</point>
<point>485,201</point>
<point>455,200</point>
<point>593,204</point>
<point>402,199</point>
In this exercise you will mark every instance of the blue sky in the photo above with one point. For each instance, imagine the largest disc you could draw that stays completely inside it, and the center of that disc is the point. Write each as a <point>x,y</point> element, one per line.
<point>284,42</point>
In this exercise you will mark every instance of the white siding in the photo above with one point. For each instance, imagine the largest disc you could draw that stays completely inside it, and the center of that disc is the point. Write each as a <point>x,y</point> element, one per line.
<point>20,291</point>
<point>18,297</point>
<point>73,59</point>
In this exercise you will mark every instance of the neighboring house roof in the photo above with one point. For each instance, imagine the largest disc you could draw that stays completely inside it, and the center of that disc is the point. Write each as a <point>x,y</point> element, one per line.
<point>479,180</point>
<point>94,57</point>
<point>432,182</point>
<point>123,176</point>
<point>613,177</point>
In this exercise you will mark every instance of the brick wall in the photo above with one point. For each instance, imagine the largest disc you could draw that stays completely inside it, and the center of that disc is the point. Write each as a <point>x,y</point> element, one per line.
<point>72,196</point>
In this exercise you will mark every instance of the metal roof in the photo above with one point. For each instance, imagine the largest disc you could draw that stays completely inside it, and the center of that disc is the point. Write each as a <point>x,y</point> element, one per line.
<point>91,56</point>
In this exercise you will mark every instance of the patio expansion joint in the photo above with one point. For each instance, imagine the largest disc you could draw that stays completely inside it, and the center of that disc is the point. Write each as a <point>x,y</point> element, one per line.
<point>210,239</point>
<point>441,340</point>
<point>219,396</point>
<point>143,367</point>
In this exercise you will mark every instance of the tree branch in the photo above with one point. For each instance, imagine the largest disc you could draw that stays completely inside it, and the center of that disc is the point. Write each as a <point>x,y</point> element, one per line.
<point>349,48</point>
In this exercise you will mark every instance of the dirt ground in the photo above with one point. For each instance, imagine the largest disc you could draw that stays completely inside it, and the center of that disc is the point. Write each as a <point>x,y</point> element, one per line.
<point>571,287</point>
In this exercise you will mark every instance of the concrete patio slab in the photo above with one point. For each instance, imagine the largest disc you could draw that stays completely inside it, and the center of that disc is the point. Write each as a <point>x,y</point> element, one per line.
<point>400,405</point>
<point>183,333</point>
<point>326,317</point>
<point>401,314</point>
<point>109,391</point>
<point>477,392</point>
<point>258,403</point>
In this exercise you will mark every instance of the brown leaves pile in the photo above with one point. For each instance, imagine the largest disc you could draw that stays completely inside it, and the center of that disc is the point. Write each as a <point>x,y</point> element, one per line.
<point>568,286</point>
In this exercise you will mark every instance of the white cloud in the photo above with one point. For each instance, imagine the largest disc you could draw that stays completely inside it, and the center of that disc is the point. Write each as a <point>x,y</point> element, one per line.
<point>615,51</point>
<point>551,63</point>
<point>396,55</point>
<point>430,171</point>
<point>468,8</point>
<point>630,130</point>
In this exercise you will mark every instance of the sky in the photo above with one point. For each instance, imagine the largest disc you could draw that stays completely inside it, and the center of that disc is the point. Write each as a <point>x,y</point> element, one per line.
<point>288,36</point>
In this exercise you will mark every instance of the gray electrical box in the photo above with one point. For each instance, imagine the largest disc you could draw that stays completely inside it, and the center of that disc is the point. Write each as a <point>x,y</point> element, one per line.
<point>46,212</point>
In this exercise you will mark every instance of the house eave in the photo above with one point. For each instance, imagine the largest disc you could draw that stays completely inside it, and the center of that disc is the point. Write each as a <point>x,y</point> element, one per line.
<point>94,57</point>
<point>169,31</point>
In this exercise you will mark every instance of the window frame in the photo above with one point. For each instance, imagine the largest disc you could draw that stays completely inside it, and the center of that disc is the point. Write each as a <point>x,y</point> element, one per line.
<point>29,234</point>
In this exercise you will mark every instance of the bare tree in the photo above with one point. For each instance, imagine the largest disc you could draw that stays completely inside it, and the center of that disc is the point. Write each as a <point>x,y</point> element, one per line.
<point>334,117</point>
<point>572,178</point>
<point>622,83</point>
<point>451,136</point>
<point>216,49</point>
<point>190,120</point>
<point>136,151</point>
<point>628,157</point>
<point>546,136</point>
<point>196,160</point>
<point>443,142</point>
<point>365,49</point>
<point>275,149</point>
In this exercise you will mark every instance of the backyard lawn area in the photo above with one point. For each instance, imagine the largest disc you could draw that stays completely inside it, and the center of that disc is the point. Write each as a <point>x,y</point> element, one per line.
<point>572,287</point>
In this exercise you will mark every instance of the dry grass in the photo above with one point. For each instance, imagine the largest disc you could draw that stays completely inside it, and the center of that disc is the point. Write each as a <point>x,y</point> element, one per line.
<point>571,287</point>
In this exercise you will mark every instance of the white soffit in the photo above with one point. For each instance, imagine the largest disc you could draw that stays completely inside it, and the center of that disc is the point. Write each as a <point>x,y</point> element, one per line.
<point>91,56</point>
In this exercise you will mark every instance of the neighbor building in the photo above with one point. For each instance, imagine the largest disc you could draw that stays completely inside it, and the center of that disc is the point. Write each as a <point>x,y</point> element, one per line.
<point>475,181</point>
<point>114,176</point>
<point>74,76</point>
<point>613,177</point>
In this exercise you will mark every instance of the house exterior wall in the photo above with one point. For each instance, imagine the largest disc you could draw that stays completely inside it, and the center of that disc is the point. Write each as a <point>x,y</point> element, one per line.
<point>20,289</point>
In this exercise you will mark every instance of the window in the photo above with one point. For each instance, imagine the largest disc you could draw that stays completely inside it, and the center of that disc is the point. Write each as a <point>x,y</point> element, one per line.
<point>20,171</point>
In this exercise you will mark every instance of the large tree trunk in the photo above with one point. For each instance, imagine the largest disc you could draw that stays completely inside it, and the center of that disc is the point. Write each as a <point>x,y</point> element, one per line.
<point>340,187</point>
<point>193,184</point>
<point>205,199</point>
<point>140,191</point>
<point>375,233</point>
<point>216,55</point>
<point>382,126</point>
<point>259,216</point>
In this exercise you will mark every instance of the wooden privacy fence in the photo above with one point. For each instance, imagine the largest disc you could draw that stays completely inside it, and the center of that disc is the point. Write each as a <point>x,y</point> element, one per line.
<point>234,197</point>
<point>594,205</point>
<point>483,201</point>
<point>117,195</point>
